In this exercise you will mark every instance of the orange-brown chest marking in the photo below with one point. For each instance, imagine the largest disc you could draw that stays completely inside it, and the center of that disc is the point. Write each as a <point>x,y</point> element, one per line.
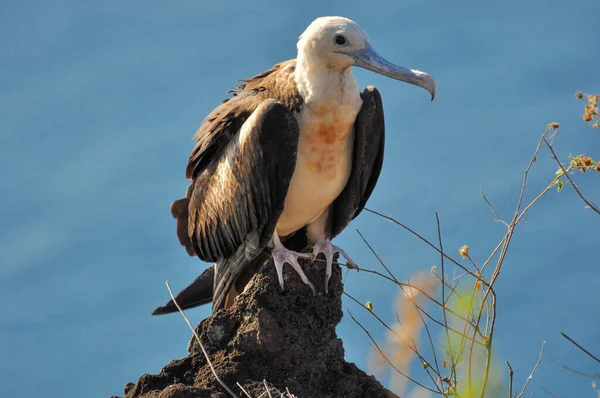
<point>326,138</point>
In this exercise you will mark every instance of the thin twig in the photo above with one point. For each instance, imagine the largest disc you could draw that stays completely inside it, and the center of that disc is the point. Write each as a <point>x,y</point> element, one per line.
<point>595,376</point>
<point>267,388</point>
<point>368,271</point>
<point>517,216</point>
<point>442,263</point>
<point>413,349</point>
<point>451,287</point>
<point>437,365</point>
<point>498,218</point>
<point>548,392</point>
<point>533,371</point>
<point>376,256</point>
<point>587,202</point>
<point>214,372</point>
<point>242,388</point>
<point>426,241</point>
<point>510,379</point>
<point>424,312</point>
<point>386,358</point>
<point>580,347</point>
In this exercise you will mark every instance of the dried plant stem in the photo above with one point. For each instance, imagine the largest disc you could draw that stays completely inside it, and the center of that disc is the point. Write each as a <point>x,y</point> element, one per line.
<point>424,312</point>
<point>435,359</point>
<point>412,348</point>
<point>595,358</point>
<point>533,371</point>
<point>566,174</point>
<point>267,388</point>
<point>517,216</point>
<point>595,376</point>
<point>386,358</point>
<point>549,392</point>
<point>242,388</point>
<point>466,270</point>
<point>510,380</point>
<point>453,375</point>
<point>214,372</point>
<point>377,256</point>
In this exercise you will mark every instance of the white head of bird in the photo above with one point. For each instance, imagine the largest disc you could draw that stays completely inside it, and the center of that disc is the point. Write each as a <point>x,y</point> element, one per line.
<point>331,45</point>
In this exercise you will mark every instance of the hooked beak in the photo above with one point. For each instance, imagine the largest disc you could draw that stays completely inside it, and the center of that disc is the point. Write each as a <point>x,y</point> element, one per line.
<point>368,58</point>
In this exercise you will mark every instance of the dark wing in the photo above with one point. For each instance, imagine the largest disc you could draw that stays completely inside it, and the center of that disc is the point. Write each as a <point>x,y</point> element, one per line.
<point>199,292</point>
<point>236,201</point>
<point>369,140</point>
<point>238,198</point>
<point>230,211</point>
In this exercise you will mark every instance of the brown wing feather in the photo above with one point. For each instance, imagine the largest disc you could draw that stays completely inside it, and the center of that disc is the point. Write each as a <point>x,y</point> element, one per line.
<point>238,198</point>
<point>224,122</point>
<point>237,193</point>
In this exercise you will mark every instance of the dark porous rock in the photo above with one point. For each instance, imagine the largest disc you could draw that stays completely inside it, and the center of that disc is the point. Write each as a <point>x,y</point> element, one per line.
<point>285,338</point>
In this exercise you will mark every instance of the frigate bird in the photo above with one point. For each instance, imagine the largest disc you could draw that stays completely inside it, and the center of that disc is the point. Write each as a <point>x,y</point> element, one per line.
<point>291,157</point>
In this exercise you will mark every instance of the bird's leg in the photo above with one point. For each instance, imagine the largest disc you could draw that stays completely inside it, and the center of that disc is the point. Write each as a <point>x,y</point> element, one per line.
<point>283,255</point>
<point>324,245</point>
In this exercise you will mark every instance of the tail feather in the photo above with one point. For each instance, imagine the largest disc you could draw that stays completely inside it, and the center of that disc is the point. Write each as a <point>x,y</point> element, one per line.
<point>197,293</point>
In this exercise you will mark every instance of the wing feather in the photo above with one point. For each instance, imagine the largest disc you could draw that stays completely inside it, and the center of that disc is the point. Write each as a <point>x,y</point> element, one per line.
<point>237,200</point>
<point>369,141</point>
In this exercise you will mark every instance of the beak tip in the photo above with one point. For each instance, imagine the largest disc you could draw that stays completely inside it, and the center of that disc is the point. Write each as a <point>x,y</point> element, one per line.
<point>429,85</point>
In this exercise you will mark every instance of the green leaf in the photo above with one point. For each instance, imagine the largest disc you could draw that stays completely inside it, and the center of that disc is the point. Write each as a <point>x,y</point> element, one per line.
<point>369,306</point>
<point>560,186</point>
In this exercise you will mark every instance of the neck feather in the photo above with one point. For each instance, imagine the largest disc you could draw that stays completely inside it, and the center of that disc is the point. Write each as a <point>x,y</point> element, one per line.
<point>318,82</point>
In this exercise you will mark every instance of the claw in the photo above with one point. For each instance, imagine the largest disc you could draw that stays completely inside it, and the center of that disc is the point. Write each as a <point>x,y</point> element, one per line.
<point>282,255</point>
<point>324,246</point>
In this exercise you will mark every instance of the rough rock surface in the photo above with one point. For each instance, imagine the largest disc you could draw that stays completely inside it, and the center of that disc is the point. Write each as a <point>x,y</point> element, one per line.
<point>286,338</point>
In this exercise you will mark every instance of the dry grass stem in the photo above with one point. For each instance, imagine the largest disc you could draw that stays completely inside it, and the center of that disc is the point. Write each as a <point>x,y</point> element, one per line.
<point>242,388</point>
<point>510,379</point>
<point>377,256</point>
<point>590,204</point>
<point>267,389</point>
<point>387,359</point>
<point>214,372</point>
<point>471,347</point>
<point>594,376</point>
<point>533,371</point>
<point>595,358</point>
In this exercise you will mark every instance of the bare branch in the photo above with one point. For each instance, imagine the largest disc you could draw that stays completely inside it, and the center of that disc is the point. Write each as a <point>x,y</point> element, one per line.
<point>588,375</point>
<point>435,359</point>
<point>427,242</point>
<point>591,205</point>
<point>386,358</point>
<point>548,392</point>
<point>377,256</point>
<point>242,388</point>
<point>442,263</point>
<point>533,371</point>
<point>214,372</point>
<point>267,388</point>
<point>580,347</point>
<point>498,218</point>
<point>510,379</point>
<point>368,271</point>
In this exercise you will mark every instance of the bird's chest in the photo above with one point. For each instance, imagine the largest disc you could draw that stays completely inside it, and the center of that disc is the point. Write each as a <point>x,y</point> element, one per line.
<point>323,163</point>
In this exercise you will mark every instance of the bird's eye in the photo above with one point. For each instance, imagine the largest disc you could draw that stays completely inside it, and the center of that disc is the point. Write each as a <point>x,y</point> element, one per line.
<point>341,40</point>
